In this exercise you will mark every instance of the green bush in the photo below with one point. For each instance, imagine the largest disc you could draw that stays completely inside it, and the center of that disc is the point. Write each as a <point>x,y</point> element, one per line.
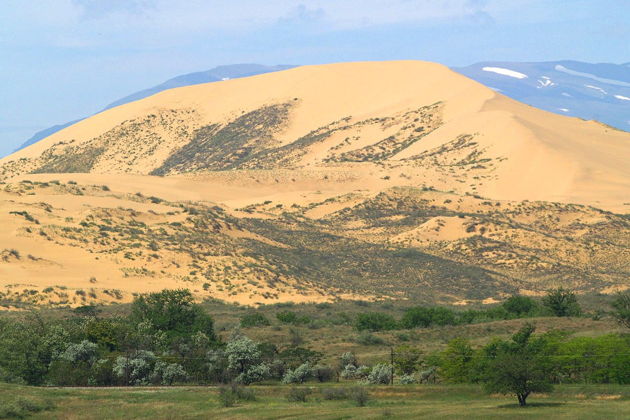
<point>561,302</point>
<point>254,319</point>
<point>335,393</point>
<point>375,321</point>
<point>359,395</point>
<point>367,339</point>
<point>426,317</point>
<point>23,407</point>
<point>621,306</point>
<point>298,394</point>
<point>233,393</point>
<point>520,305</point>
<point>289,317</point>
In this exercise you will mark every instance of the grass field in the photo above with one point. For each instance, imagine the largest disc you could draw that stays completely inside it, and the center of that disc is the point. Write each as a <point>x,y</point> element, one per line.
<point>397,402</point>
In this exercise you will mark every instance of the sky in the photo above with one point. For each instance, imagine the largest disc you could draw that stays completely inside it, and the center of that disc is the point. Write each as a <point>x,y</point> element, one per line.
<point>65,59</point>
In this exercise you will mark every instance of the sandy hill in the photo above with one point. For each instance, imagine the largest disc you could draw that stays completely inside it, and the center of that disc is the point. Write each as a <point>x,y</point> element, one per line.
<point>378,179</point>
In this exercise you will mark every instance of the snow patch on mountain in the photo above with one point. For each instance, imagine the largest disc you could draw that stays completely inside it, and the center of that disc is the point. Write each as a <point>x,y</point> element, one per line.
<point>596,88</point>
<point>563,69</point>
<point>545,82</point>
<point>505,72</point>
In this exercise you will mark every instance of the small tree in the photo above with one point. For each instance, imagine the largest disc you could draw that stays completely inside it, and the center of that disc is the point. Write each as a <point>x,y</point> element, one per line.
<point>561,302</point>
<point>245,360</point>
<point>621,306</point>
<point>517,366</point>
<point>299,375</point>
<point>457,361</point>
<point>406,359</point>
<point>172,313</point>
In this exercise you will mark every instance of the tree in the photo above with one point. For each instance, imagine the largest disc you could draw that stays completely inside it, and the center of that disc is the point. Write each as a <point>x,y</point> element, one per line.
<point>173,313</point>
<point>299,375</point>
<point>561,302</point>
<point>518,366</point>
<point>457,361</point>
<point>621,306</point>
<point>406,359</point>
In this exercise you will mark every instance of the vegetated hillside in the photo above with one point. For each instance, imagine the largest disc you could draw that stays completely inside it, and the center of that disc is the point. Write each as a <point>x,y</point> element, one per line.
<point>69,243</point>
<point>394,179</point>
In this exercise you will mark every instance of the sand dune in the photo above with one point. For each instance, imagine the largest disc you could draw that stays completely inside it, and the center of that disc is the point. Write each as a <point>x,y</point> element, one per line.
<point>314,149</point>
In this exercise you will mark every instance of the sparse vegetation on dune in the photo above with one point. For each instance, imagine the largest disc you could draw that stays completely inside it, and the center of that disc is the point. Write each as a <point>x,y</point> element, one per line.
<point>403,242</point>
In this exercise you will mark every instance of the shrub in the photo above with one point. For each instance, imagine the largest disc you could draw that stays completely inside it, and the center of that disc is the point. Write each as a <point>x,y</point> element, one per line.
<point>346,359</point>
<point>136,369</point>
<point>289,317</point>
<point>407,379</point>
<point>323,373</point>
<point>368,339</point>
<point>520,305</point>
<point>561,302</point>
<point>375,321</point>
<point>298,394</point>
<point>23,407</point>
<point>245,359</point>
<point>230,395</point>
<point>254,320</point>
<point>425,317</point>
<point>354,372</point>
<point>168,373</point>
<point>359,395</point>
<point>621,306</point>
<point>227,398</point>
<point>335,393</point>
<point>299,375</point>
<point>381,374</point>
<point>417,317</point>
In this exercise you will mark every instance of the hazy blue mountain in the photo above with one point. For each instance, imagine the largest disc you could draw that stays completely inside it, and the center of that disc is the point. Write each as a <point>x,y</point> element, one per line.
<point>216,74</point>
<point>45,133</point>
<point>591,91</point>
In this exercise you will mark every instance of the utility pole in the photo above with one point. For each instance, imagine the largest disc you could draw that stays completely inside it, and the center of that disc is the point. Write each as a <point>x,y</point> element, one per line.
<point>391,349</point>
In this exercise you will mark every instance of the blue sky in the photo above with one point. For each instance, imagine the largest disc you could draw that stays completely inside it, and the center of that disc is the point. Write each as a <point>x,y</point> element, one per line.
<point>63,59</point>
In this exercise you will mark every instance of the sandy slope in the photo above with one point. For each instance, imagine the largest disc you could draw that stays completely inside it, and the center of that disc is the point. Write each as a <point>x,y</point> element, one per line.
<point>538,155</point>
<point>376,125</point>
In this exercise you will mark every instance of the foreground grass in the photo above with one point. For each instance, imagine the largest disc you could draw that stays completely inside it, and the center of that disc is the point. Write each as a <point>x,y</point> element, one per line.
<point>398,402</point>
